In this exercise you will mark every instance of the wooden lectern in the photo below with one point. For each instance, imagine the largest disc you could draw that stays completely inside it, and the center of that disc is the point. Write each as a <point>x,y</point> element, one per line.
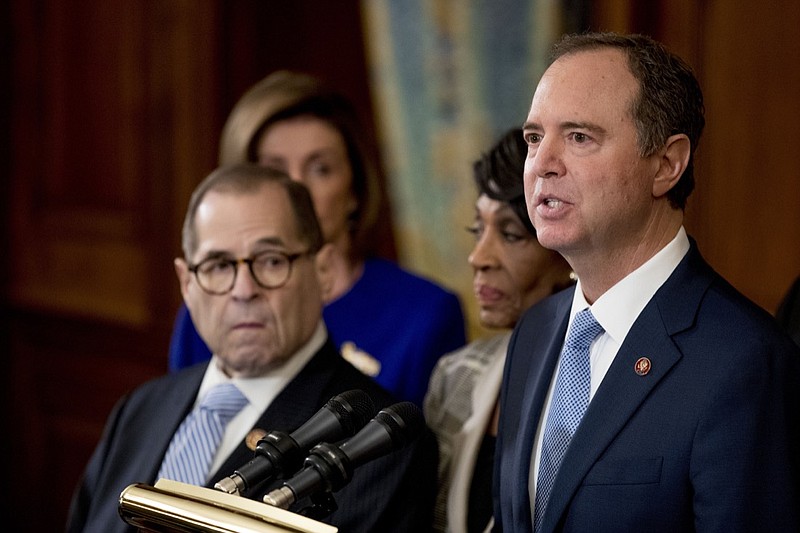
<point>174,507</point>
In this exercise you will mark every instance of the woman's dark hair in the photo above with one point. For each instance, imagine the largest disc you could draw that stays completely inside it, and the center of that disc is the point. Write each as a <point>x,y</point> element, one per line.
<point>498,174</point>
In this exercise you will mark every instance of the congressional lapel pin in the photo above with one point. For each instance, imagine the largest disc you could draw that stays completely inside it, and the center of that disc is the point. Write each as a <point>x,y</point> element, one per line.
<point>252,438</point>
<point>642,366</point>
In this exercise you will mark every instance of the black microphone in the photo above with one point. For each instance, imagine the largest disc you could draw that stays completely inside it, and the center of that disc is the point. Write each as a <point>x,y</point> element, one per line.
<point>330,467</point>
<point>277,453</point>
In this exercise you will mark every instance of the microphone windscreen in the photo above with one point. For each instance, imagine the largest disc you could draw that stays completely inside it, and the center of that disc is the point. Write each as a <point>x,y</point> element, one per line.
<point>354,408</point>
<point>405,421</point>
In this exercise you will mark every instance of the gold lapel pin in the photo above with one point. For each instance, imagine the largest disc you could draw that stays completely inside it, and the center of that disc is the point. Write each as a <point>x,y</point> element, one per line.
<point>252,438</point>
<point>642,366</point>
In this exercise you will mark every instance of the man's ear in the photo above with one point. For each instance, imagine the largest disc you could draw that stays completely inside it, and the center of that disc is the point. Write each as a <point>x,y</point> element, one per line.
<point>674,160</point>
<point>184,276</point>
<point>323,267</point>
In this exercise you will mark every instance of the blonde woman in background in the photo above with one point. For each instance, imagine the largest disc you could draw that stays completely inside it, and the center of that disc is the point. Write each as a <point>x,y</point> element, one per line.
<point>512,271</point>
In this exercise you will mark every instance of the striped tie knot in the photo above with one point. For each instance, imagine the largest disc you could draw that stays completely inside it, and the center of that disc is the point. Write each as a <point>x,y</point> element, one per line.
<point>223,402</point>
<point>194,445</point>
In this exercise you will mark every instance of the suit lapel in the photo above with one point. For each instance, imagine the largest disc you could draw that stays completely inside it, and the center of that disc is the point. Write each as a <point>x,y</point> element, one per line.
<point>617,399</point>
<point>535,361</point>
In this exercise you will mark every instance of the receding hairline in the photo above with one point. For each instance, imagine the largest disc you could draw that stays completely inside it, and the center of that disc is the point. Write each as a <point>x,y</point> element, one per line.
<point>245,179</point>
<point>626,63</point>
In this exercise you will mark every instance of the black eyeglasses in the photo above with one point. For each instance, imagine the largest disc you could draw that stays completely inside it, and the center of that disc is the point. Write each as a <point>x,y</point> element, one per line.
<point>270,270</point>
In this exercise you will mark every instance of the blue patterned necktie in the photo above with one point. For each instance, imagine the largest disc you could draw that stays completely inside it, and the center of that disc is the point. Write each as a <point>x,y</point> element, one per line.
<point>570,400</point>
<point>194,445</point>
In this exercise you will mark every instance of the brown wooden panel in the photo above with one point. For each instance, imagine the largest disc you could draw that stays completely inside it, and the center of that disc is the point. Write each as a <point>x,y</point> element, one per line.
<point>116,113</point>
<point>68,373</point>
<point>108,142</point>
<point>79,162</point>
<point>752,81</point>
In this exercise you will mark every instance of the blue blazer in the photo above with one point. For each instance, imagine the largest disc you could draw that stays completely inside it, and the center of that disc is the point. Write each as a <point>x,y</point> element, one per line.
<point>387,494</point>
<point>706,441</point>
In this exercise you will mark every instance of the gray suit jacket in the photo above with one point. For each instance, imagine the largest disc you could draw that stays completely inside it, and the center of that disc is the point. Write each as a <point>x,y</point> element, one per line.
<point>458,407</point>
<point>394,493</point>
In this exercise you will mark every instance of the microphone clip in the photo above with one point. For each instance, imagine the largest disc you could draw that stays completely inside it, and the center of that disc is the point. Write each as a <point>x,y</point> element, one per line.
<point>278,448</point>
<point>322,505</point>
<point>326,465</point>
<point>331,463</point>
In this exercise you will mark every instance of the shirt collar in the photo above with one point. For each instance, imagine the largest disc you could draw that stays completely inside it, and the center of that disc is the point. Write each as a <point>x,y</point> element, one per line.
<point>617,309</point>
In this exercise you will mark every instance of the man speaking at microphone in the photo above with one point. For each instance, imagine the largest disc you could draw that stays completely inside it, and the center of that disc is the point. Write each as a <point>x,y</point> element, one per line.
<point>254,276</point>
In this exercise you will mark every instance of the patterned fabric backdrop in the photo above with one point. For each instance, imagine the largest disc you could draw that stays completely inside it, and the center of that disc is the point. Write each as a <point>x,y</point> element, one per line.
<point>448,78</point>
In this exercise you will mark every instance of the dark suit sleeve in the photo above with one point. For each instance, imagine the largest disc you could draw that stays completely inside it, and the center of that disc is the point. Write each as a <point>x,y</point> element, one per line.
<point>499,496</point>
<point>392,494</point>
<point>788,314</point>
<point>85,493</point>
<point>744,441</point>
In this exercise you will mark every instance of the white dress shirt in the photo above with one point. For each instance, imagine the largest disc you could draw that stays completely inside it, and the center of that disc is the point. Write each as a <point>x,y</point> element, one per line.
<point>616,311</point>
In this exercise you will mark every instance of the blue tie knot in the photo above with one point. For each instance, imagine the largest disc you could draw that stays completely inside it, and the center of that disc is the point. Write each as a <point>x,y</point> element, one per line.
<point>584,330</point>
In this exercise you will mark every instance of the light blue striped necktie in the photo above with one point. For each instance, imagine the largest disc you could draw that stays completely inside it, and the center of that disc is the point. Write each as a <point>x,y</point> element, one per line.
<point>570,400</point>
<point>194,445</point>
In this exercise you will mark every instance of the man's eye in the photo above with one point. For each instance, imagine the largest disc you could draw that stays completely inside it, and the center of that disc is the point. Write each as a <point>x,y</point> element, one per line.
<point>533,138</point>
<point>580,138</point>
<point>270,261</point>
<point>214,266</point>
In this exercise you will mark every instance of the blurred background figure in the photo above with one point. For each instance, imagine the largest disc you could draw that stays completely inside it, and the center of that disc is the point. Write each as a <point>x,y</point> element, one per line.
<point>512,271</point>
<point>389,323</point>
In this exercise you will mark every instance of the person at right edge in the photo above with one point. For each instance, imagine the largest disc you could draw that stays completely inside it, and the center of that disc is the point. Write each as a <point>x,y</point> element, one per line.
<point>675,402</point>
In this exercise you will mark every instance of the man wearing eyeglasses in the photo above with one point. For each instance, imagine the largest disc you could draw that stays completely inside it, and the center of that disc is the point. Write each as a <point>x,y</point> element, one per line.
<point>253,276</point>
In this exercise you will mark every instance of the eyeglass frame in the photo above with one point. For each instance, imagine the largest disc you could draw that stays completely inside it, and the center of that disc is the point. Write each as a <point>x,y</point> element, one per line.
<point>235,262</point>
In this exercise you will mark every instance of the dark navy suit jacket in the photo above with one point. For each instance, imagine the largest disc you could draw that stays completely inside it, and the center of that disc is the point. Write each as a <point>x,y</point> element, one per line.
<point>706,441</point>
<point>394,493</point>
